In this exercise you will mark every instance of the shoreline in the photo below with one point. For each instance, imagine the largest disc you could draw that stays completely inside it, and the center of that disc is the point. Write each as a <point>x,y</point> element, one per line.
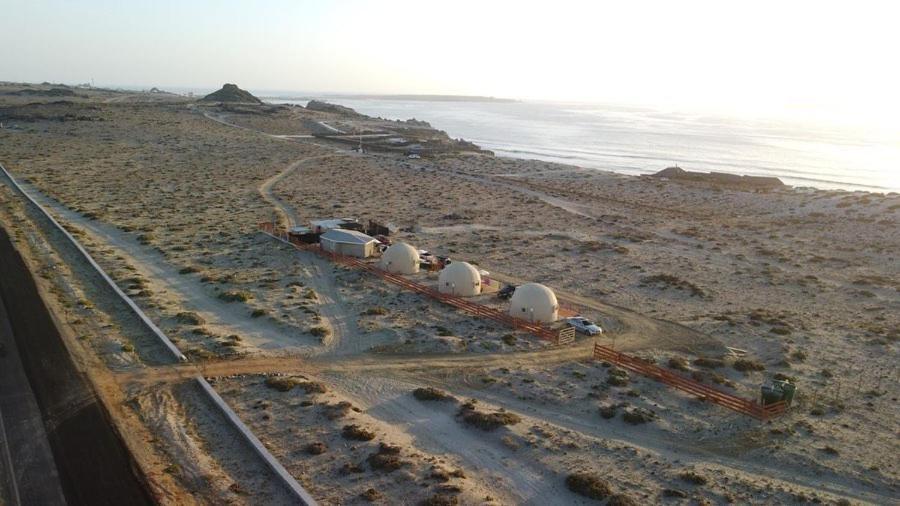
<point>580,157</point>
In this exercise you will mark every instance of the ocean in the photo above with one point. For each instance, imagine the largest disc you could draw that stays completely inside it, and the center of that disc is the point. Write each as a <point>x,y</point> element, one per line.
<point>638,140</point>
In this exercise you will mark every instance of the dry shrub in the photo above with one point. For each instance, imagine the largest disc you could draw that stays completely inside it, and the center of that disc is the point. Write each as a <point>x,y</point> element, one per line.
<point>357,433</point>
<point>745,365</point>
<point>678,363</point>
<point>588,485</point>
<point>312,387</point>
<point>431,394</point>
<point>387,458</point>
<point>638,416</point>
<point>709,363</point>
<point>693,477</point>
<point>336,411</point>
<point>621,500</point>
<point>316,448</point>
<point>487,421</point>
<point>281,383</point>
<point>189,318</point>
<point>441,500</point>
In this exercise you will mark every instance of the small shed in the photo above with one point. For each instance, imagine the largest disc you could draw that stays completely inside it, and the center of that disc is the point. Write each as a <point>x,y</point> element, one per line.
<point>322,226</point>
<point>348,242</point>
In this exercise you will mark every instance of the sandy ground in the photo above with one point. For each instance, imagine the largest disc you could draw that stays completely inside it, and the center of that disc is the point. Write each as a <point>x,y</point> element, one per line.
<point>807,283</point>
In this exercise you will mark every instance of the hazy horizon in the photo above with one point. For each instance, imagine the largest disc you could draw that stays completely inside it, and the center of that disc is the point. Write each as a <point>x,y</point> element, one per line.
<point>803,60</point>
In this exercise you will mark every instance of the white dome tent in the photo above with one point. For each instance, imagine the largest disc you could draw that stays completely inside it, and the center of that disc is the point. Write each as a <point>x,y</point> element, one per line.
<point>460,278</point>
<point>535,303</point>
<point>400,258</point>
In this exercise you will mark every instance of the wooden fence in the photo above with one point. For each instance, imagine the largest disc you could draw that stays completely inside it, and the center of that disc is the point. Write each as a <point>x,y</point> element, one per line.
<point>704,392</point>
<point>556,336</point>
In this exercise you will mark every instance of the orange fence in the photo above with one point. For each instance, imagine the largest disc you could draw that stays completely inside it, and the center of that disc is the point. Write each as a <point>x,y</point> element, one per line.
<point>704,392</point>
<point>460,303</point>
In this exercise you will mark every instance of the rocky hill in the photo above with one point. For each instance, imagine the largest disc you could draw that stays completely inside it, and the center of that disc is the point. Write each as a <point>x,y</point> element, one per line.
<point>231,93</point>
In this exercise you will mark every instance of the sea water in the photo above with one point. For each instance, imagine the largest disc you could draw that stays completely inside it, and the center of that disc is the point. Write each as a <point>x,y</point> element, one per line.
<point>640,140</point>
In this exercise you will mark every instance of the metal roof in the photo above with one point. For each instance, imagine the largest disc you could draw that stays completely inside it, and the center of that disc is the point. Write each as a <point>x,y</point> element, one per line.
<point>347,236</point>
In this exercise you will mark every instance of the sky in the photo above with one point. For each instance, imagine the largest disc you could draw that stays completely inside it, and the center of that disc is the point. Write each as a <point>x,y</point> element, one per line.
<point>828,61</point>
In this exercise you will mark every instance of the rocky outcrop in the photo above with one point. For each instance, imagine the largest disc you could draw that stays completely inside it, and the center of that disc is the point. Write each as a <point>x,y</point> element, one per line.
<point>318,105</point>
<point>230,93</point>
<point>721,179</point>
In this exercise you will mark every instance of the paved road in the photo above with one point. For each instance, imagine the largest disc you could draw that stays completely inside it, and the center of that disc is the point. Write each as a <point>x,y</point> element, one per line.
<point>28,473</point>
<point>93,464</point>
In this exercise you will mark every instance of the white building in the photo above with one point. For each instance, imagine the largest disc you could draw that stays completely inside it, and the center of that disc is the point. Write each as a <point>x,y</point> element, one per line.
<point>535,303</point>
<point>400,258</point>
<point>348,242</point>
<point>321,226</point>
<point>460,278</point>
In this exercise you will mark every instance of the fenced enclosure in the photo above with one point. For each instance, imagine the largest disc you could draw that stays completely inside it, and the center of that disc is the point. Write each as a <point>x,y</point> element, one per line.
<point>565,335</point>
<point>704,392</point>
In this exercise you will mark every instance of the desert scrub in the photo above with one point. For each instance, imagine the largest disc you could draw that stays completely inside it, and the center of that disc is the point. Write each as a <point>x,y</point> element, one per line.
<point>146,239</point>
<point>387,458</point>
<point>486,421</point>
<point>638,416</point>
<point>589,485</point>
<point>127,348</point>
<point>376,311</point>
<point>678,363</point>
<point>609,411</point>
<point>431,394</point>
<point>670,281</point>
<point>281,383</point>
<point>709,363</point>
<point>188,270</point>
<point>621,500</point>
<point>189,318</point>
<point>509,339</point>
<point>336,411</point>
<point>317,448</point>
<point>319,331</point>
<point>746,365</point>
<point>312,387</point>
<point>617,377</point>
<point>443,331</point>
<point>256,313</point>
<point>235,296</point>
<point>356,433</point>
<point>693,478</point>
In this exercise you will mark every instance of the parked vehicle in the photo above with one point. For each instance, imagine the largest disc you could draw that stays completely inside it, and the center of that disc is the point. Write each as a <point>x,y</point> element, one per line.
<point>506,292</point>
<point>584,326</point>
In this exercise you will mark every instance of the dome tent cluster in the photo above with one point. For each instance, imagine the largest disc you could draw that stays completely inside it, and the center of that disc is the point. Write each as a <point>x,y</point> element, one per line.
<point>532,302</point>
